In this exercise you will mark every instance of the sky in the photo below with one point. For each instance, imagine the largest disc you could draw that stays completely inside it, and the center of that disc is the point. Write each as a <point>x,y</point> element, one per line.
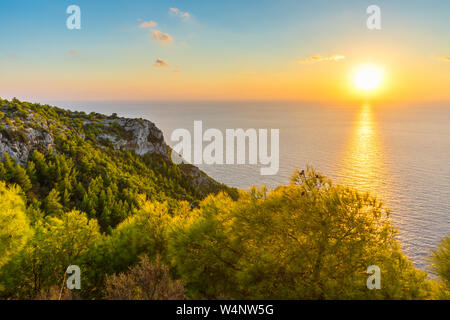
<point>222,50</point>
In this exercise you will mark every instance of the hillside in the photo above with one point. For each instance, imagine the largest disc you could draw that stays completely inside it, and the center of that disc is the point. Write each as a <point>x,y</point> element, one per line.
<point>101,193</point>
<point>98,164</point>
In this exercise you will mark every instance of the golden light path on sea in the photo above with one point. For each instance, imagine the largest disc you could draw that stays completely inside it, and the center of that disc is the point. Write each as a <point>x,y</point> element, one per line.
<point>364,160</point>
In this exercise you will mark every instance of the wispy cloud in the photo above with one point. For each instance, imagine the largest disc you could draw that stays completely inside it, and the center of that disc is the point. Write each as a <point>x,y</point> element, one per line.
<point>73,52</point>
<point>178,13</point>
<point>161,37</point>
<point>445,59</point>
<point>148,24</point>
<point>160,63</point>
<point>319,58</point>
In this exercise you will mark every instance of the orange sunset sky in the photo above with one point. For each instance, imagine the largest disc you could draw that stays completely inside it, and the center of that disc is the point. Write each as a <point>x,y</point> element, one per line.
<point>200,50</point>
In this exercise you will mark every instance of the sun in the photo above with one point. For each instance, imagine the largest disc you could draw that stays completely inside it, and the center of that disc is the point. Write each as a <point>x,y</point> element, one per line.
<point>368,77</point>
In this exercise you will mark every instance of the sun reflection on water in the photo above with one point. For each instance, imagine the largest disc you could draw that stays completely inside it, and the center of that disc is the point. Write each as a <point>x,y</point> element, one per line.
<point>364,163</point>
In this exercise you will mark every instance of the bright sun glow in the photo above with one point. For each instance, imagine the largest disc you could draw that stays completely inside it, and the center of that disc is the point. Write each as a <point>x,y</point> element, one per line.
<point>368,78</point>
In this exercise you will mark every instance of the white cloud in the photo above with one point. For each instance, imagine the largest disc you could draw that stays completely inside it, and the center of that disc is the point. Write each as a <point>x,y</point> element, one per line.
<point>161,37</point>
<point>160,63</point>
<point>319,58</point>
<point>148,24</point>
<point>178,13</point>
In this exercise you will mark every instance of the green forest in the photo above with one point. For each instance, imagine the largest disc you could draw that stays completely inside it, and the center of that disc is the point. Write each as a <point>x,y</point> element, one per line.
<point>141,227</point>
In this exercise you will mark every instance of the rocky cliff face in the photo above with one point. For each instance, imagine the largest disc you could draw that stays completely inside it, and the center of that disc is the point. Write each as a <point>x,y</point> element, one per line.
<point>18,137</point>
<point>23,130</point>
<point>143,136</point>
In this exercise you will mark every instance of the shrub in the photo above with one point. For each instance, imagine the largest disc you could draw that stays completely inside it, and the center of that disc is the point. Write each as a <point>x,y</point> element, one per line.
<point>145,281</point>
<point>308,240</point>
<point>441,265</point>
<point>14,226</point>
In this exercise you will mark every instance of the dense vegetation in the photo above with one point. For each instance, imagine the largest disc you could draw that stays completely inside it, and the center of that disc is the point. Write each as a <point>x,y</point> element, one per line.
<point>138,228</point>
<point>441,265</point>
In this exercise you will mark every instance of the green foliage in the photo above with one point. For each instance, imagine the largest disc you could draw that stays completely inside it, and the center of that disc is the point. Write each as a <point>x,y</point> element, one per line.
<point>14,134</point>
<point>144,233</point>
<point>14,226</point>
<point>309,240</point>
<point>13,173</point>
<point>42,263</point>
<point>441,265</point>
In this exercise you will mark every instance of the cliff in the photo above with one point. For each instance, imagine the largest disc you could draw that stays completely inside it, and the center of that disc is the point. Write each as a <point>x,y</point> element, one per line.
<point>26,127</point>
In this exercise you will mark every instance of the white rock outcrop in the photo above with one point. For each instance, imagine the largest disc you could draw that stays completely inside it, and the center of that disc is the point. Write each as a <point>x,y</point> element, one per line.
<point>147,138</point>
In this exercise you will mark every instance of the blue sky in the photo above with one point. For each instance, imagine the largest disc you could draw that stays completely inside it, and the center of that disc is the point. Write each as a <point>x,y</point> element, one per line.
<point>220,41</point>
